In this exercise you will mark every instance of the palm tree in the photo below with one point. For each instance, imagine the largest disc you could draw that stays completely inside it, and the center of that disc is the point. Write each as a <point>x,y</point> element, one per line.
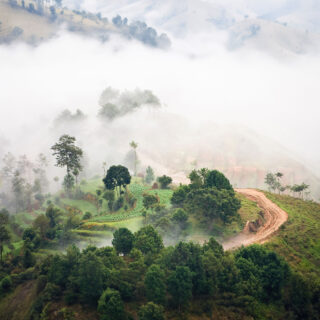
<point>134,146</point>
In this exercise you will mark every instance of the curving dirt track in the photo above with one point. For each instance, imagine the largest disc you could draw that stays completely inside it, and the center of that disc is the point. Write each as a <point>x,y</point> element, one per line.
<point>273,215</point>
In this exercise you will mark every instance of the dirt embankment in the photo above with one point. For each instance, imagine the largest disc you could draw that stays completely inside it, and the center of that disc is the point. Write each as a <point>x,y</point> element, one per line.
<point>273,217</point>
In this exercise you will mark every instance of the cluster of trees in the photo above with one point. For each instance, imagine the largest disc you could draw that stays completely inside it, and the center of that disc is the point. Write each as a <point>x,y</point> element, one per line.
<point>209,196</point>
<point>24,183</point>
<point>153,281</point>
<point>38,6</point>
<point>273,181</point>
<point>52,227</point>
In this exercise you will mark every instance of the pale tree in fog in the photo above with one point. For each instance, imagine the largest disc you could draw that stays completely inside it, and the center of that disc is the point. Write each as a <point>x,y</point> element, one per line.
<point>41,181</point>
<point>134,146</point>
<point>68,155</point>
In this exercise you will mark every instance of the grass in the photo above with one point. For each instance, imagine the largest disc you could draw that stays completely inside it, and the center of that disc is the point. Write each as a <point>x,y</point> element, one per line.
<point>249,210</point>
<point>91,185</point>
<point>81,205</point>
<point>298,240</point>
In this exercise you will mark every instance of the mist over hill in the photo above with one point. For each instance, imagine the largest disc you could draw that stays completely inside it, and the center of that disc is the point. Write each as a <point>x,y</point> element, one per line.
<point>238,87</point>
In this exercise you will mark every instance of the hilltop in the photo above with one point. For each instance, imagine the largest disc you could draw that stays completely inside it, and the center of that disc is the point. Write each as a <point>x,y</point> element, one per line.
<point>36,21</point>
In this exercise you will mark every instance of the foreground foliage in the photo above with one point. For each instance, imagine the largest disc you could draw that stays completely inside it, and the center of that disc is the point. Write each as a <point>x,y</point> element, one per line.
<point>153,282</point>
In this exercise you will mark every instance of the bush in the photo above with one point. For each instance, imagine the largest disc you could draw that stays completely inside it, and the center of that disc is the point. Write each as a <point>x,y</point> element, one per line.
<point>118,203</point>
<point>164,181</point>
<point>6,284</point>
<point>87,216</point>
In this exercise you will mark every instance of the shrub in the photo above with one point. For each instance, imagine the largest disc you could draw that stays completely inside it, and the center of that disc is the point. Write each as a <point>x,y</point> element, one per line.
<point>87,216</point>
<point>6,284</point>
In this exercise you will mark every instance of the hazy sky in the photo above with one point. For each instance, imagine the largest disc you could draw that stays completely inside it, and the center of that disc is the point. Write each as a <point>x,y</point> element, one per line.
<point>263,83</point>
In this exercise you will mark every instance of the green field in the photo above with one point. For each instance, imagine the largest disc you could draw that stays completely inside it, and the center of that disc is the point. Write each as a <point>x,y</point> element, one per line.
<point>298,240</point>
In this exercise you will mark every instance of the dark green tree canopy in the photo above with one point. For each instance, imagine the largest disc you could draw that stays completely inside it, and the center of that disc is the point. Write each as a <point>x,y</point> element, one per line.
<point>123,240</point>
<point>164,181</point>
<point>147,240</point>
<point>151,311</point>
<point>208,179</point>
<point>213,203</point>
<point>149,200</point>
<point>117,176</point>
<point>110,305</point>
<point>180,286</point>
<point>155,284</point>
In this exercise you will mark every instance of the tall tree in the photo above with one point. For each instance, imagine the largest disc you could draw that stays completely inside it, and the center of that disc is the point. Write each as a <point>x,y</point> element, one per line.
<point>68,155</point>
<point>123,240</point>
<point>91,276</point>
<point>117,177</point>
<point>148,240</point>
<point>155,284</point>
<point>134,146</point>
<point>110,305</point>
<point>18,188</point>
<point>149,175</point>
<point>4,238</point>
<point>180,286</point>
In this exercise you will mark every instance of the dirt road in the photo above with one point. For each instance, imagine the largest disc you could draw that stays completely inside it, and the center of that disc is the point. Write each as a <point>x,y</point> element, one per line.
<point>274,217</point>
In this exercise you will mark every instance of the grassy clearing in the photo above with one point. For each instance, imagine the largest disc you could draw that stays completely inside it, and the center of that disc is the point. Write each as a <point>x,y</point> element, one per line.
<point>298,240</point>
<point>249,210</point>
<point>81,205</point>
<point>91,185</point>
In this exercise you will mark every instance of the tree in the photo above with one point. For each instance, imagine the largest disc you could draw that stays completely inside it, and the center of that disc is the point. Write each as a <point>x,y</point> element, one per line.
<point>272,271</point>
<point>18,188</point>
<point>134,146</point>
<point>155,284</point>
<point>4,216</point>
<point>164,181</point>
<point>181,217</point>
<point>147,240</point>
<point>91,276</point>
<point>197,177</point>
<point>4,238</point>
<point>179,195</point>
<point>110,305</point>
<point>41,182</point>
<point>68,155</point>
<point>149,201</point>
<point>42,223</point>
<point>213,203</point>
<point>123,240</point>
<point>52,214</point>
<point>271,181</point>
<point>215,178</point>
<point>28,259</point>
<point>117,176</point>
<point>300,188</point>
<point>180,286</point>
<point>151,311</point>
<point>149,175</point>
<point>104,167</point>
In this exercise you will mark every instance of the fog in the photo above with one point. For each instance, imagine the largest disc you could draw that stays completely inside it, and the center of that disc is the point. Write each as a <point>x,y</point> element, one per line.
<point>263,91</point>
